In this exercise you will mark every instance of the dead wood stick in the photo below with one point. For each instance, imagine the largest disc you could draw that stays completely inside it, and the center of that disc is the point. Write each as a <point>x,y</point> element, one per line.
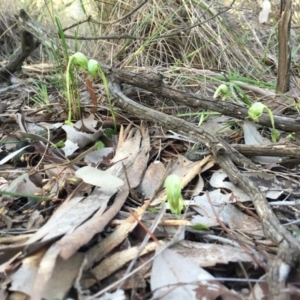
<point>28,44</point>
<point>284,48</point>
<point>268,150</point>
<point>154,82</point>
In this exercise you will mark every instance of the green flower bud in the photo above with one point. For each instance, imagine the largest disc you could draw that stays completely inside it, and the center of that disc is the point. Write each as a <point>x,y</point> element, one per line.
<point>256,110</point>
<point>80,60</point>
<point>222,90</point>
<point>173,191</point>
<point>93,68</point>
<point>60,144</point>
<point>275,134</point>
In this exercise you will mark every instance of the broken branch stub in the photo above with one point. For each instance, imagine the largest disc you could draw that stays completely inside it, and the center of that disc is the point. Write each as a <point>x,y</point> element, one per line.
<point>28,44</point>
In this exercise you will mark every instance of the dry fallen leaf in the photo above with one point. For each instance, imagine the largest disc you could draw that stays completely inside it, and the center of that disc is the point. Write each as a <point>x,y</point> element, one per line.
<point>175,277</point>
<point>98,177</point>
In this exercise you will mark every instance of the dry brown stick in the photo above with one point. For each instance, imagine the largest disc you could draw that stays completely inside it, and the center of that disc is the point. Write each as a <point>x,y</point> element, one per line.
<point>154,82</point>
<point>223,153</point>
<point>284,48</point>
<point>28,44</point>
<point>268,150</point>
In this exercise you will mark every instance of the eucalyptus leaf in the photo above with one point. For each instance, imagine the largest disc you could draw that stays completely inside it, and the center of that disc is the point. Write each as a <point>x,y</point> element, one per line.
<point>98,177</point>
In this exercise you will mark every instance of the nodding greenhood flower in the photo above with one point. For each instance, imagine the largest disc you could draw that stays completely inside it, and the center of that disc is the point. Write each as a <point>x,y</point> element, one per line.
<point>80,60</point>
<point>93,68</point>
<point>222,90</point>
<point>173,191</point>
<point>275,134</point>
<point>256,110</point>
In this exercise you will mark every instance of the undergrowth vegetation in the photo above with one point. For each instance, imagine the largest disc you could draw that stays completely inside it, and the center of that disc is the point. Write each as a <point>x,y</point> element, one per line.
<point>192,41</point>
<point>198,45</point>
<point>185,37</point>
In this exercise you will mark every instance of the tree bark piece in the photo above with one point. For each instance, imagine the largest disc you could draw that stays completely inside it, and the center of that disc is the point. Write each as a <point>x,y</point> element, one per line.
<point>284,51</point>
<point>268,150</point>
<point>28,44</point>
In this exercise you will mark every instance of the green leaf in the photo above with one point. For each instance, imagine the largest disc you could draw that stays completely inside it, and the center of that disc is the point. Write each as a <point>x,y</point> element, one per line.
<point>200,227</point>
<point>109,132</point>
<point>24,195</point>
<point>67,122</point>
<point>275,134</point>
<point>152,209</point>
<point>60,144</point>
<point>291,136</point>
<point>99,145</point>
<point>296,232</point>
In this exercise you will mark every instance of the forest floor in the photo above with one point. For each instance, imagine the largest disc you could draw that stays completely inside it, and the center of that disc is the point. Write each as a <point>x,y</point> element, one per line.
<point>130,163</point>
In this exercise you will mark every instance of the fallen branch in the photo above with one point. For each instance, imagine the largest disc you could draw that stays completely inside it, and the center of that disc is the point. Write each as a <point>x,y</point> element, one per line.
<point>154,82</point>
<point>28,44</point>
<point>281,150</point>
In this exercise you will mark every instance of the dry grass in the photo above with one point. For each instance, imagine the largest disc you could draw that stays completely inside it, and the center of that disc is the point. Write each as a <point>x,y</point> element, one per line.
<point>213,44</point>
<point>8,38</point>
<point>178,38</point>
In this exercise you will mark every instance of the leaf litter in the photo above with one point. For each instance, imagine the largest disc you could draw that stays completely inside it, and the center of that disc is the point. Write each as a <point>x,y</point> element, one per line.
<point>75,219</point>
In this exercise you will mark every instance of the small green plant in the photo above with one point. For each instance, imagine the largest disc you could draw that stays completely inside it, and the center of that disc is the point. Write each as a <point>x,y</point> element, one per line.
<point>231,89</point>
<point>60,144</point>
<point>203,115</point>
<point>79,60</point>
<point>291,136</point>
<point>109,133</point>
<point>99,145</point>
<point>152,209</point>
<point>255,112</point>
<point>296,232</point>
<point>41,97</point>
<point>173,191</point>
<point>92,66</point>
<point>222,91</point>
<point>200,226</point>
<point>94,70</point>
